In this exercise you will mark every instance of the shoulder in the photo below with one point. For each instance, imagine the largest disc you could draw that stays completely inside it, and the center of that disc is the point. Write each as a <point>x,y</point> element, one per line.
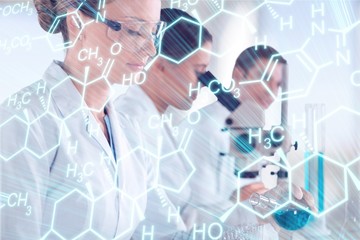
<point>131,129</point>
<point>25,119</point>
<point>134,103</point>
<point>28,103</point>
<point>37,99</point>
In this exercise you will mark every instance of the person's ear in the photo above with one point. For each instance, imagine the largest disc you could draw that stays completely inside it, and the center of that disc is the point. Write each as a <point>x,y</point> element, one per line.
<point>160,65</point>
<point>238,74</point>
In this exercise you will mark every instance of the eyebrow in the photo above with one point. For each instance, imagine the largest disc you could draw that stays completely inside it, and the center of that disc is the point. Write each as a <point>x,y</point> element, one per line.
<point>279,83</point>
<point>201,65</point>
<point>136,18</point>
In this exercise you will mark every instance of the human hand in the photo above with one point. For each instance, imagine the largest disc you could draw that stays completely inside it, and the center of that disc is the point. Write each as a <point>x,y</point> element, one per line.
<point>248,190</point>
<point>279,195</point>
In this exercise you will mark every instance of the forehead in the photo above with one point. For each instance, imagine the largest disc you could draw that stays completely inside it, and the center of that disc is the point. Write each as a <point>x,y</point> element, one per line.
<point>277,74</point>
<point>148,10</point>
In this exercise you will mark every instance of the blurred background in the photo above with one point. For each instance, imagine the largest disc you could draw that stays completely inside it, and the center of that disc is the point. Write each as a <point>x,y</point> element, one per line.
<point>319,39</point>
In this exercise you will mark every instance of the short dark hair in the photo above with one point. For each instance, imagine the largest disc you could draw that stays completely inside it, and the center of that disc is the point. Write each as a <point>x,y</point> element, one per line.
<point>250,56</point>
<point>183,37</point>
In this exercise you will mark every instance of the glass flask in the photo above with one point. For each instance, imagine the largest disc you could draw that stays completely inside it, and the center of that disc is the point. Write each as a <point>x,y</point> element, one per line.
<point>288,217</point>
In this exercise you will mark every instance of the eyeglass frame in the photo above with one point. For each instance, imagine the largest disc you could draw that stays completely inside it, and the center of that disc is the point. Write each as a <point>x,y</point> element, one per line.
<point>117,25</point>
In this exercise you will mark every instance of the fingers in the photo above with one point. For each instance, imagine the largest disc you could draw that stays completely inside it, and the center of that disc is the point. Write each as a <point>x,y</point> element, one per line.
<point>300,193</point>
<point>262,190</point>
<point>257,185</point>
<point>309,199</point>
<point>248,190</point>
<point>297,192</point>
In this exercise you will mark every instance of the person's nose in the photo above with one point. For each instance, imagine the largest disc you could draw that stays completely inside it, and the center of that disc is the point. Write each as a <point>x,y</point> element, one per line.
<point>274,90</point>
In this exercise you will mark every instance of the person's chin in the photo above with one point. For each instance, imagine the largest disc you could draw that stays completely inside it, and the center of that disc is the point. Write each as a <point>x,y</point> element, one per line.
<point>264,105</point>
<point>185,106</point>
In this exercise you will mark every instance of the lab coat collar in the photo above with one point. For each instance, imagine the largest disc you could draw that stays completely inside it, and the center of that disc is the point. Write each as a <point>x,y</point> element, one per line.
<point>62,90</point>
<point>122,146</point>
<point>136,94</point>
<point>69,101</point>
<point>101,139</point>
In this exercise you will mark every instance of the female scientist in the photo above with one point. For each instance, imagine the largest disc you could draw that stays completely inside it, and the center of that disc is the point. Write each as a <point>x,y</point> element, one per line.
<point>209,147</point>
<point>167,84</point>
<point>66,171</point>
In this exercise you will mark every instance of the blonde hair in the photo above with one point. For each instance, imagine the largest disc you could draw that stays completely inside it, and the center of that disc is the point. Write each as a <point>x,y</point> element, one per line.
<point>48,10</point>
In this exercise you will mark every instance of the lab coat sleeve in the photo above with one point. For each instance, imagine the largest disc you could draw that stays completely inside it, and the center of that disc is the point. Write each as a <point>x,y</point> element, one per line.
<point>158,205</point>
<point>24,179</point>
<point>160,220</point>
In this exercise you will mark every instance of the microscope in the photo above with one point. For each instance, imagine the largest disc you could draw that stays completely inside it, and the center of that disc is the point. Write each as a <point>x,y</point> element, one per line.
<point>249,141</point>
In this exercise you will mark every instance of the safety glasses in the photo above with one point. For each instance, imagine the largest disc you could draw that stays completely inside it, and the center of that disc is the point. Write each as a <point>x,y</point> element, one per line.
<point>135,34</point>
<point>131,34</point>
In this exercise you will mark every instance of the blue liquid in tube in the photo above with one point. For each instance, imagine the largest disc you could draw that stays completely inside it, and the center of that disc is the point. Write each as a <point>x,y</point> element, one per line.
<point>292,218</point>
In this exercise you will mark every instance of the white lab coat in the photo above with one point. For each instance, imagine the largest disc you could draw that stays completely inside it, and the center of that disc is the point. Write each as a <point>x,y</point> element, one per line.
<point>54,159</point>
<point>214,181</point>
<point>172,170</point>
<point>209,148</point>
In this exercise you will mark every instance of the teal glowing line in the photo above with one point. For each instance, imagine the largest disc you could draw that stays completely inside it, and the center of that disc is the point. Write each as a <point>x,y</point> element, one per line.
<point>321,182</point>
<point>307,172</point>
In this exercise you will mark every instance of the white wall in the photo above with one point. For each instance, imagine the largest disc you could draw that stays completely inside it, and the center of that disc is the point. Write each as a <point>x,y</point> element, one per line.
<point>25,64</point>
<point>332,86</point>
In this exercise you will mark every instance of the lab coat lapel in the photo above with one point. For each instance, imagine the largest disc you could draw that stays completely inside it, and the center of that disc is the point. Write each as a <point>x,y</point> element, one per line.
<point>122,146</point>
<point>62,90</point>
<point>126,168</point>
<point>69,101</point>
<point>93,129</point>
